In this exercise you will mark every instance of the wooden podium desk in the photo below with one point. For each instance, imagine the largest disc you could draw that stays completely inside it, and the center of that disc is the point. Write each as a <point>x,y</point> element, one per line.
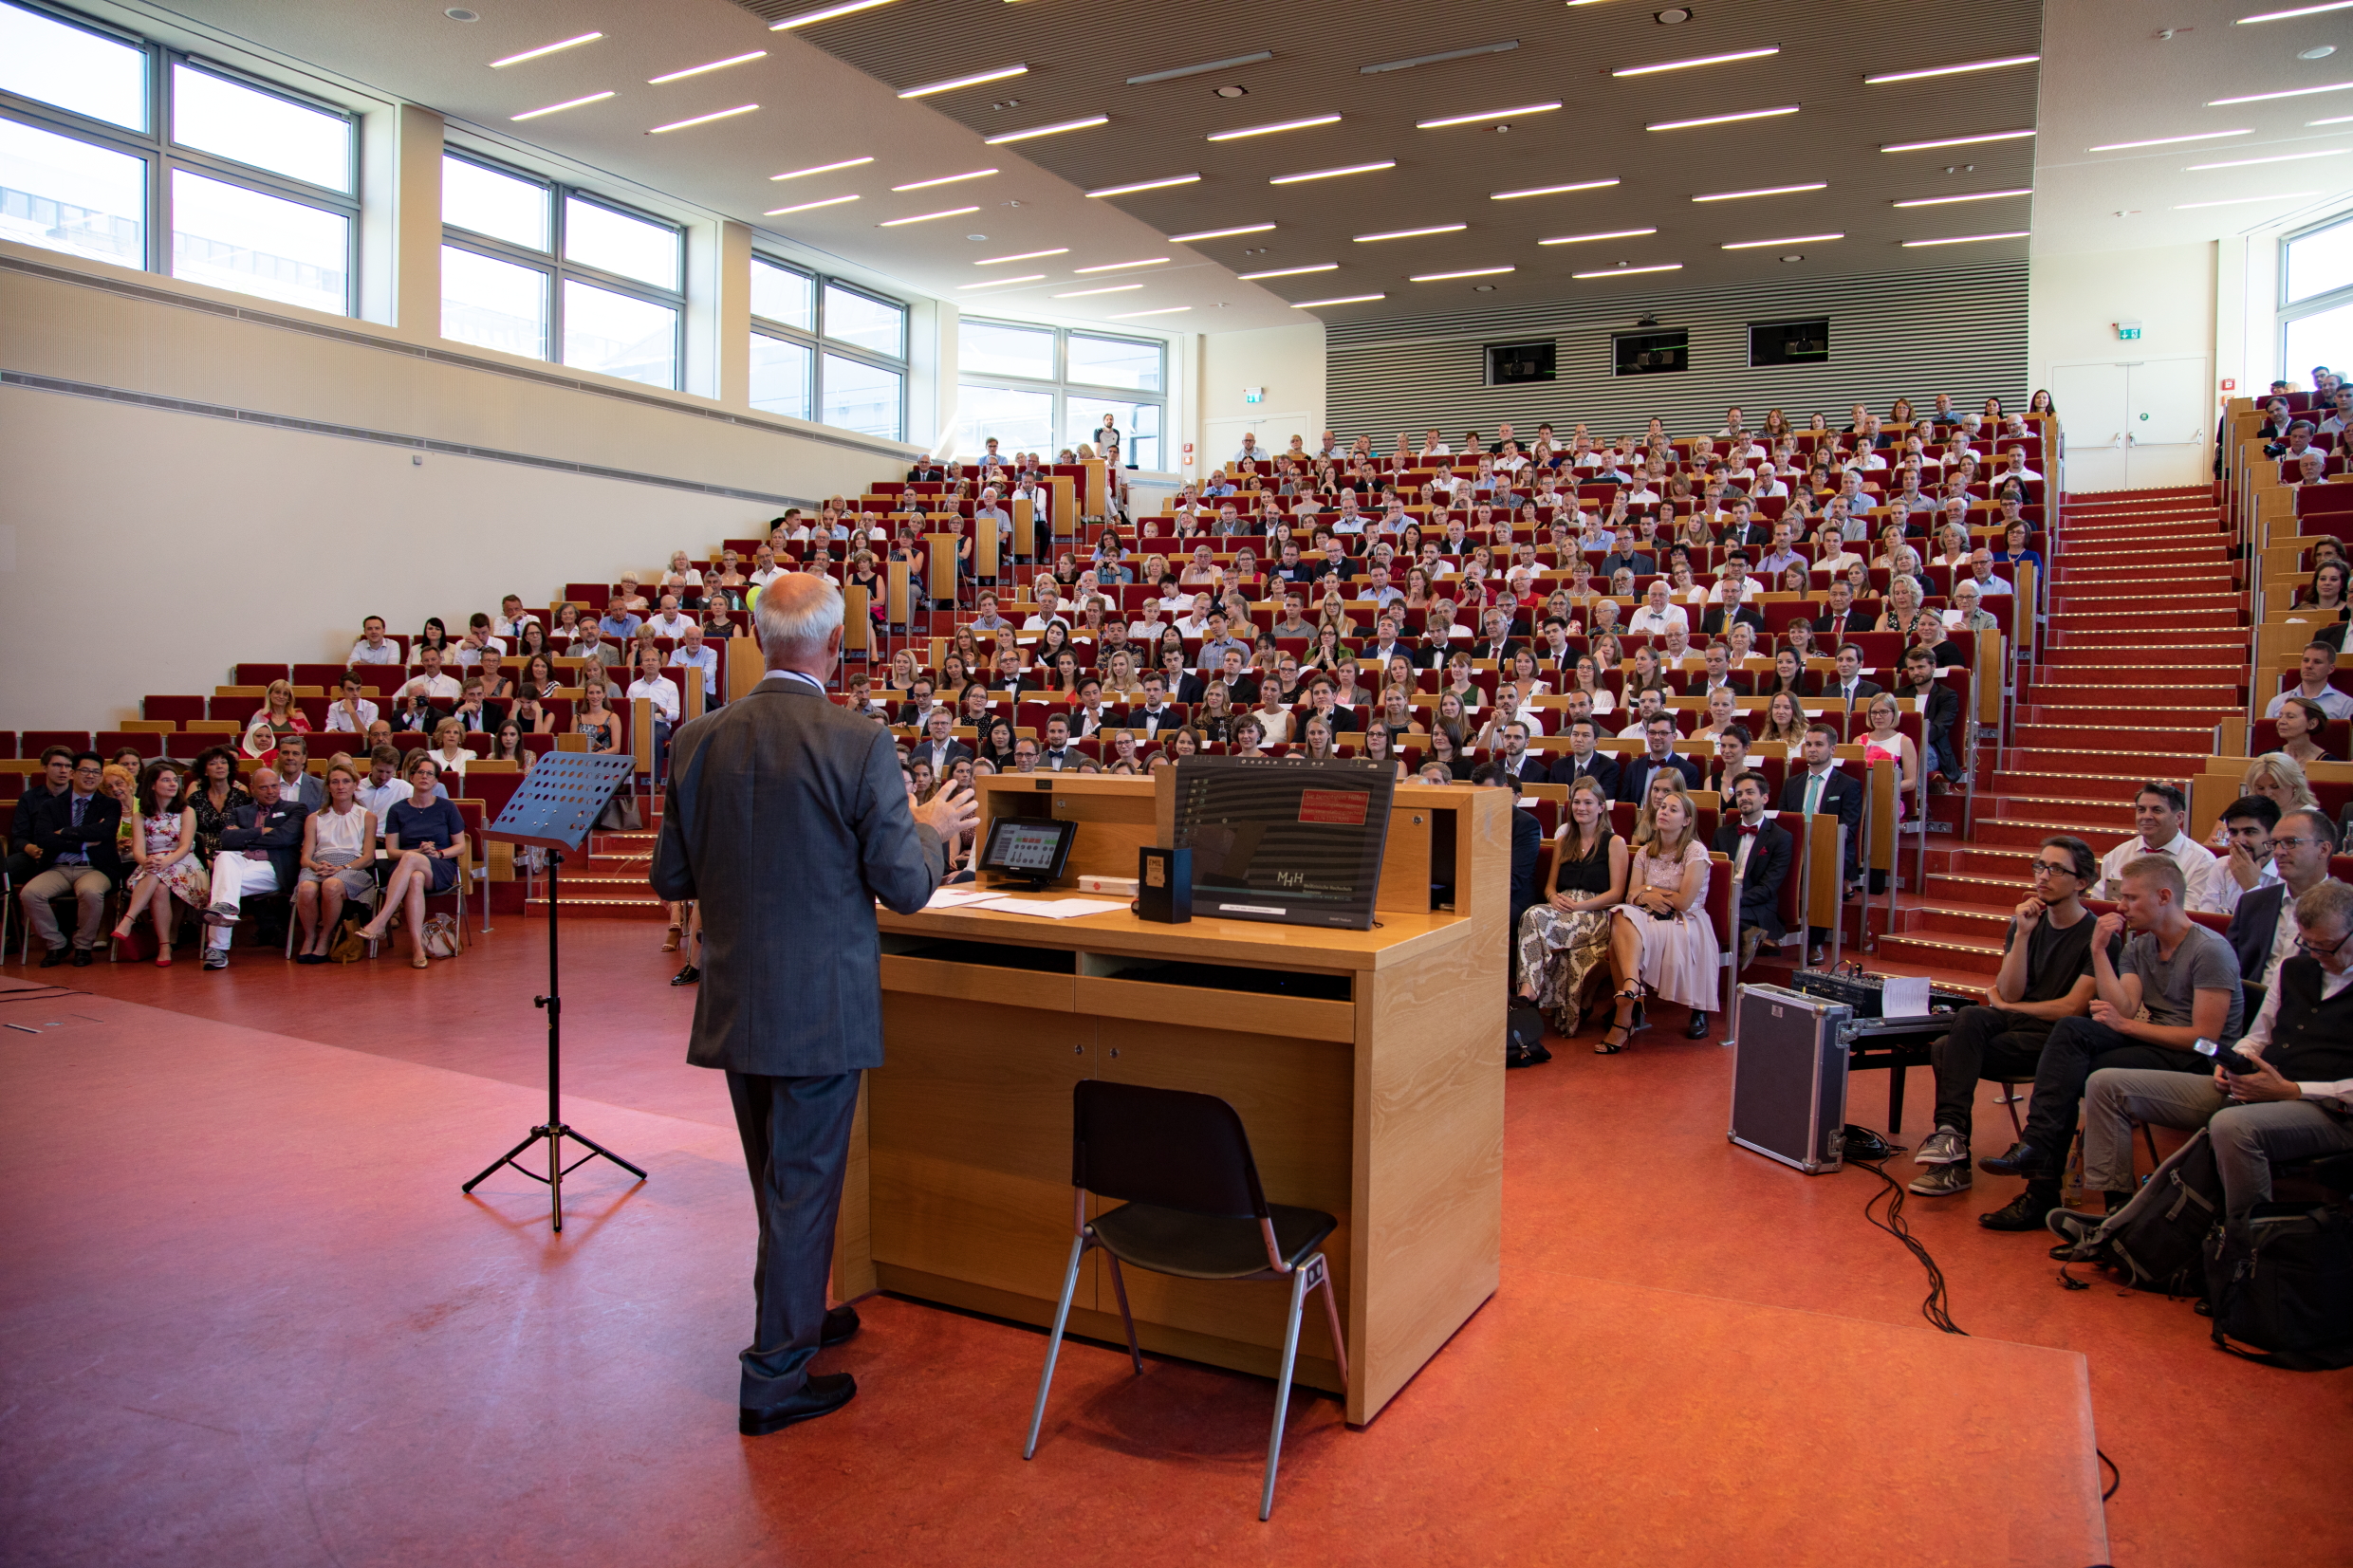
<point>1366,1065</point>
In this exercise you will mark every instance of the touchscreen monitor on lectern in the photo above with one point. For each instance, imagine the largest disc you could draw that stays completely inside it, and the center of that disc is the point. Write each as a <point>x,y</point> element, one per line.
<point>1275,840</point>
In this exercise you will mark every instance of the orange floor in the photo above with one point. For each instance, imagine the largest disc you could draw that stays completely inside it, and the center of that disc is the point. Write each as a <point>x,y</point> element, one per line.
<point>250,1319</point>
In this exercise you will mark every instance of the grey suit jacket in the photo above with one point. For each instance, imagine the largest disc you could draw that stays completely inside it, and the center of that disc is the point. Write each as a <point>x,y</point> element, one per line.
<point>787,816</point>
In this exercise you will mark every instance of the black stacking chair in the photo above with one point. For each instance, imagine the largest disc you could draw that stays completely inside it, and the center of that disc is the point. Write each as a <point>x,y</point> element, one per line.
<point>1190,1206</point>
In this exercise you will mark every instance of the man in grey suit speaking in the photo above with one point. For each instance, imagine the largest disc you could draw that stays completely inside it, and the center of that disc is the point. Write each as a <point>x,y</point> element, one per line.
<point>786,817</point>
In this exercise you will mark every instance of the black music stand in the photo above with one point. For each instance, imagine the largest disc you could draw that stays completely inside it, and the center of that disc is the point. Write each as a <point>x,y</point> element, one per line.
<point>555,808</point>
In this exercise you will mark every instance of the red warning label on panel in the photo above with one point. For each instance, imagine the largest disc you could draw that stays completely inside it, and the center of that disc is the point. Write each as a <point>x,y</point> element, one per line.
<point>1335,807</point>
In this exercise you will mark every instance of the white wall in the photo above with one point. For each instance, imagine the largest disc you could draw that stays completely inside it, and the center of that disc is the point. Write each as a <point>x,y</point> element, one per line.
<point>2073,302</point>
<point>1286,361</point>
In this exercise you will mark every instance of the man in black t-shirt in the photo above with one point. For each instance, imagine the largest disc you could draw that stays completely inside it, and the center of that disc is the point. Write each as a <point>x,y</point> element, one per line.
<point>2046,976</point>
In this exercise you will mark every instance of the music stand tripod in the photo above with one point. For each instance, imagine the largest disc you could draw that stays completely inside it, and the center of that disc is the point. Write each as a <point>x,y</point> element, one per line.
<point>555,808</point>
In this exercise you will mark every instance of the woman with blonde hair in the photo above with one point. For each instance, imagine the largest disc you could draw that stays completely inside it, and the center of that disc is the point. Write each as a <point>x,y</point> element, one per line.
<point>337,840</point>
<point>2278,778</point>
<point>1564,940</point>
<point>1660,938</point>
<point>276,716</point>
<point>448,747</point>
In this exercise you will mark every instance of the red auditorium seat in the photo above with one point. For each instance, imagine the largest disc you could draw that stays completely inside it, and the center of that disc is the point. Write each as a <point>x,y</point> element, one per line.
<point>33,742</point>
<point>179,711</point>
<point>148,743</point>
<point>258,674</point>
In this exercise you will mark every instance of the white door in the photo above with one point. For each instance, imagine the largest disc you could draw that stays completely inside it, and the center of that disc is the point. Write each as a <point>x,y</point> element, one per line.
<point>2092,410</point>
<point>2168,427</point>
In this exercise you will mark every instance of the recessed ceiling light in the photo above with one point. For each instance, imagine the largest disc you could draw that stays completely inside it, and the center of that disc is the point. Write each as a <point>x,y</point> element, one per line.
<point>459,13</point>
<point>1552,189</point>
<point>808,206</point>
<point>1794,239</point>
<point>1793,258</point>
<point>1000,283</point>
<point>1026,255</point>
<point>1973,195</point>
<point>1114,267</point>
<point>2291,92</point>
<point>546,49</point>
<point>1967,239</point>
<point>1220,233</point>
<point>1482,289</point>
<point>1144,184</point>
<point>704,120</point>
<point>1107,289</point>
<point>1483,118</point>
<point>2318,52</point>
<point>944,179</point>
<point>1953,71</point>
<point>1328,174</point>
<point>1055,129</point>
<point>1623,272</point>
<point>1164,310</point>
<point>1764,191</point>
<point>1290,271</point>
<point>2241,201</point>
<point>568,104</point>
<point>1668,18</point>
<point>1412,233</point>
<point>954,81</point>
<point>2280,157</point>
<point>1344,299</point>
<point>715,66</point>
<point>826,14</point>
<point>926,217</point>
<point>1719,120</point>
<point>821,168</point>
<point>1467,272</point>
<point>2170,141</point>
<point>2286,15</point>
<point>1954,141</point>
<point>1605,234</point>
<point>1697,60</point>
<point>1232,89</point>
<point>1278,125</point>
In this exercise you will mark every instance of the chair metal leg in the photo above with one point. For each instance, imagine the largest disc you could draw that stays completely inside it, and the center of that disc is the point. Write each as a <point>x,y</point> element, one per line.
<point>1283,1392</point>
<point>1127,1321</point>
<point>1053,1343</point>
<point>1323,1276</point>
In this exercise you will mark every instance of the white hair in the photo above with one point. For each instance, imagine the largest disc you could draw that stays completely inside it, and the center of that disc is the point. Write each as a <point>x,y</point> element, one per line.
<point>797,614</point>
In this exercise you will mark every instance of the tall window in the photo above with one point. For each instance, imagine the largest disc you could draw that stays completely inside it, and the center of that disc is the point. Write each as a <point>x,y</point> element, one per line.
<point>1022,383</point>
<point>118,149</point>
<point>826,350</point>
<point>538,268</point>
<point>2316,300</point>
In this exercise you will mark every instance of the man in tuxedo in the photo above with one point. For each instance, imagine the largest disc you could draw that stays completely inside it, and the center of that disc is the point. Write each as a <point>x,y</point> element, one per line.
<point>1156,718</point>
<point>1059,755</point>
<point>1582,759</point>
<point>1658,735</point>
<point>1008,683</point>
<point>1818,789</point>
<point>1847,686</point>
<point>787,819</point>
<point>1843,617</point>
<point>1940,708</point>
<point>1761,852</point>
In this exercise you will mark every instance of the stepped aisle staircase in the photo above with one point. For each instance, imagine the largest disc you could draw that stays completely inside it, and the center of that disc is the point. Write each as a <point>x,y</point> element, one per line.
<point>2146,652</point>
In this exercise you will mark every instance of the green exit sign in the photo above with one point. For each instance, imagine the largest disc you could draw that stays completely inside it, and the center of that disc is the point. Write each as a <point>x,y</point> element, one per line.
<point>2127,331</point>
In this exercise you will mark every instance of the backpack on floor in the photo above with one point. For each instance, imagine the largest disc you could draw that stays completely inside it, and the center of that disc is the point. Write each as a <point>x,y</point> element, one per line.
<point>2157,1241</point>
<point>2287,1289</point>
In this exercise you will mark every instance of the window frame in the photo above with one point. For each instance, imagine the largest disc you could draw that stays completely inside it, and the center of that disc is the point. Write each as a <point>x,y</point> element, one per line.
<point>814,338</point>
<point>1062,386</point>
<point>2286,314</point>
<point>163,154</point>
<point>556,269</point>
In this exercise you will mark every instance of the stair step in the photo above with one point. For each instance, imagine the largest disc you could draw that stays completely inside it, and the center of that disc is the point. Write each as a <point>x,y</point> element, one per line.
<point>1943,951</point>
<point>2015,785</point>
<point>2124,764</point>
<point>2113,810</point>
<point>1970,922</point>
<point>2025,832</point>
<point>1980,890</point>
<point>601,909</point>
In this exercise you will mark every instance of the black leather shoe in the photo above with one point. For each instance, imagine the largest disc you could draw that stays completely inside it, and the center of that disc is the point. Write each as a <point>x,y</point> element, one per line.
<point>2028,1210</point>
<point>841,1323</point>
<point>53,958</point>
<point>1697,1027</point>
<point>81,958</point>
<point>686,976</point>
<point>822,1395</point>
<point>2020,1159</point>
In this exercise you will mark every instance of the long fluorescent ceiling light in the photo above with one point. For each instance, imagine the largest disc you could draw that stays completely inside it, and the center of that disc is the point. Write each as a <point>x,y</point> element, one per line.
<point>1605,234</point>
<point>704,120</point>
<point>1626,271</point>
<point>1412,233</point>
<point>1289,272</point>
<point>1344,299</point>
<point>954,81</point>
<point>1483,118</point>
<point>1552,189</point>
<point>1699,60</point>
<point>926,217</point>
<point>1967,239</point>
<point>1270,130</point>
<point>2241,201</point>
<point>2170,141</point>
<point>1952,70</point>
<point>2292,92</point>
<point>1107,289</point>
<point>1000,283</point>
<point>544,48</point>
<point>1144,184</point>
<point>806,206</point>
<point>1055,129</point>
<point>2282,158</point>
<point>1258,59</point>
<point>1764,191</point>
<point>820,169</point>
<point>568,104</point>
<point>1220,233</point>
<point>1328,174</point>
<point>1467,272</point>
<point>1503,47</point>
<point>715,66</point>
<point>1114,267</point>
<point>1719,120</point>
<point>2289,15</point>
<point>1026,255</point>
<point>1973,195</point>
<point>827,14</point>
<point>1954,141</point>
<point>1164,310</point>
<point>1794,239</point>
<point>944,179</point>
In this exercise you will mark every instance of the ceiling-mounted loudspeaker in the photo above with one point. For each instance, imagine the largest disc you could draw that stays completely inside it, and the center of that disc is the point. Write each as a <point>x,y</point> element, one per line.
<point>1672,15</point>
<point>1233,90</point>
<point>459,13</point>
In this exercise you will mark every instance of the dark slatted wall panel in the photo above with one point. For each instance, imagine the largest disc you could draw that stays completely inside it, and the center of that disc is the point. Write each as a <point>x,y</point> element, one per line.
<point>1961,330</point>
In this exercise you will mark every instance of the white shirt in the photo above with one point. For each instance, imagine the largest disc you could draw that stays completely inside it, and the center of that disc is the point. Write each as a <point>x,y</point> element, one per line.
<point>2199,870</point>
<point>2333,703</point>
<point>1991,587</point>
<point>339,720</point>
<point>1657,622</point>
<point>1635,731</point>
<point>661,692</point>
<point>492,649</point>
<point>767,575</point>
<point>436,688</point>
<point>674,627</point>
<point>388,652</point>
<point>2259,1035</point>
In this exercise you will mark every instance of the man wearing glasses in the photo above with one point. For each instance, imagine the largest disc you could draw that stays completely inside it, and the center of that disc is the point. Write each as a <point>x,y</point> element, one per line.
<point>2298,1103</point>
<point>73,834</point>
<point>2046,975</point>
<point>2263,927</point>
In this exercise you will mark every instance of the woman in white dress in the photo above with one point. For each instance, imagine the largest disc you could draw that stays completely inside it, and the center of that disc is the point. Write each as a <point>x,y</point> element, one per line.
<point>1660,938</point>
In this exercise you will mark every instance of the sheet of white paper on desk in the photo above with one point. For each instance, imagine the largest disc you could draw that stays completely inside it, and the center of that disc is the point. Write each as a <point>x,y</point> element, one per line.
<point>1053,909</point>
<point>954,897</point>
<point>1904,996</point>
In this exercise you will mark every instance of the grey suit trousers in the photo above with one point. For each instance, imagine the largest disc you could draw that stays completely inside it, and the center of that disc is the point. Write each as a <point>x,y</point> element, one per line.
<point>796,1134</point>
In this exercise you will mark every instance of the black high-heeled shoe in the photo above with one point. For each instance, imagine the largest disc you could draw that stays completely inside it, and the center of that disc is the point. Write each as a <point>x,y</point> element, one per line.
<point>1625,1030</point>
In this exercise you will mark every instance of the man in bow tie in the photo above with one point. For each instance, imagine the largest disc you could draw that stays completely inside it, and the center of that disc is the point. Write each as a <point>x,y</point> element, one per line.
<point>1761,853</point>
